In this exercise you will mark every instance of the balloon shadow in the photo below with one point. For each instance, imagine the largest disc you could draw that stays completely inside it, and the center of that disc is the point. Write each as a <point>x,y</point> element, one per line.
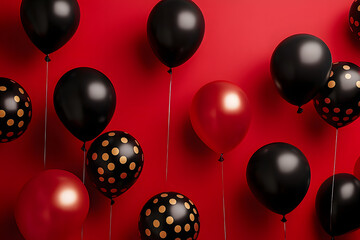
<point>8,223</point>
<point>14,44</point>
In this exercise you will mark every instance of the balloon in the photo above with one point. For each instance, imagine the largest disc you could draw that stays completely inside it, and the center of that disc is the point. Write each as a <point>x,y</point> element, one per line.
<point>15,110</point>
<point>52,205</point>
<point>169,215</point>
<point>50,23</point>
<point>354,19</point>
<point>278,174</point>
<point>220,115</point>
<point>175,29</point>
<point>300,67</point>
<point>338,103</point>
<point>114,162</point>
<point>346,204</point>
<point>85,101</point>
<point>357,168</point>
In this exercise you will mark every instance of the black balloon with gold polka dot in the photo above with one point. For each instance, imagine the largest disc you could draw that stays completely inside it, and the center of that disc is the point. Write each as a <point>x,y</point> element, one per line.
<point>354,19</point>
<point>338,103</point>
<point>114,162</point>
<point>170,216</point>
<point>15,110</point>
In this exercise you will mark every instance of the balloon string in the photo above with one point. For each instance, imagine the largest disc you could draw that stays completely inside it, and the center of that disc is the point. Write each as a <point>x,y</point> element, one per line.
<point>223,197</point>
<point>84,162</point>
<point>110,219</point>
<point>285,230</point>
<point>333,180</point>
<point>168,127</point>
<point>47,59</point>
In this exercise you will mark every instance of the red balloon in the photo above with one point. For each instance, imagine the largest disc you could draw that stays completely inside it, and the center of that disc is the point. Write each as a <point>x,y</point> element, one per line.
<point>220,115</point>
<point>52,205</point>
<point>357,169</point>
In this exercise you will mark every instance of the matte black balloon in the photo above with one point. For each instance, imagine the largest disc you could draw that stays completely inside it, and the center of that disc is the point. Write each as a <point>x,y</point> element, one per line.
<point>50,23</point>
<point>15,110</point>
<point>85,101</point>
<point>346,204</point>
<point>300,66</point>
<point>114,162</point>
<point>175,29</point>
<point>169,216</point>
<point>338,103</point>
<point>278,174</point>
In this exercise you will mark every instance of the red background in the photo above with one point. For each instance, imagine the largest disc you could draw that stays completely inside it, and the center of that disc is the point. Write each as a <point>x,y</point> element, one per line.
<point>239,39</point>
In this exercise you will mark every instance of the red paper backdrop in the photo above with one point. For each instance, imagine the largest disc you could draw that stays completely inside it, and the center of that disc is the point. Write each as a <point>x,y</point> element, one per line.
<point>239,40</point>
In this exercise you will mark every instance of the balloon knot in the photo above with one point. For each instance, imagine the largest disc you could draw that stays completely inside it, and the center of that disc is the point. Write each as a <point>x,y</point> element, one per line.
<point>221,159</point>
<point>112,202</point>
<point>284,219</point>
<point>170,71</point>
<point>47,58</point>
<point>332,238</point>
<point>83,147</point>
<point>300,110</point>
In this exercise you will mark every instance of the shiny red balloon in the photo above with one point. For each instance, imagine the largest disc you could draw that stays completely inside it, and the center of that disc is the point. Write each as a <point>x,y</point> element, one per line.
<point>52,205</point>
<point>220,115</point>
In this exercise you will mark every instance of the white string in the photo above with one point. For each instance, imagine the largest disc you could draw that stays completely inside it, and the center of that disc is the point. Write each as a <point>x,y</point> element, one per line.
<point>223,196</point>
<point>46,109</point>
<point>110,221</point>
<point>333,181</point>
<point>84,164</point>
<point>285,230</point>
<point>168,128</point>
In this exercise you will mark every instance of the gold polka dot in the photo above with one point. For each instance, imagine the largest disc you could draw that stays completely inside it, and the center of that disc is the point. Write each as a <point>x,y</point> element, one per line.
<point>103,190</point>
<point>100,171</point>
<point>123,159</point>
<point>169,220</point>
<point>0,132</point>
<point>94,156</point>
<point>349,111</point>
<point>27,104</point>
<point>340,124</point>
<point>177,238</point>
<point>356,23</point>
<point>358,8</point>
<point>331,73</point>
<point>20,124</point>
<point>28,99</point>
<point>325,109</point>
<point>10,122</point>
<point>113,190</point>
<point>156,201</point>
<point>136,174</point>
<point>132,166</point>
<point>331,84</point>
<point>191,202</point>
<point>336,110</point>
<point>187,227</point>
<point>335,119</point>
<point>156,223</point>
<point>20,112</point>
<point>105,156</point>
<point>123,175</point>
<point>163,234</point>
<point>148,232</point>
<point>124,140</point>
<point>3,88</point>
<point>10,134</point>
<point>164,195</point>
<point>180,196</point>
<point>187,206</point>
<point>115,151</point>
<point>136,150</point>
<point>324,116</point>
<point>195,235</point>
<point>162,209</point>
<point>351,20</point>
<point>111,180</point>
<point>358,84</point>
<point>177,229</point>
<point>137,143</point>
<point>348,76</point>
<point>196,227</point>
<point>111,166</point>
<point>17,99</point>
<point>148,212</point>
<point>21,90</point>
<point>105,143</point>
<point>327,100</point>
<point>346,67</point>
<point>29,114</point>
<point>111,134</point>
<point>2,113</point>
<point>192,217</point>
<point>346,119</point>
<point>172,201</point>
<point>123,190</point>
<point>101,179</point>
<point>194,210</point>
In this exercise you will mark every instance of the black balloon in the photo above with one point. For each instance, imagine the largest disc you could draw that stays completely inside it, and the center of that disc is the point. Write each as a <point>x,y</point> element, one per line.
<point>354,19</point>
<point>278,174</point>
<point>175,29</point>
<point>346,204</point>
<point>50,23</point>
<point>15,110</point>
<point>85,101</point>
<point>338,103</point>
<point>114,162</point>
<point>300,66</point>
<point>170,216</point>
